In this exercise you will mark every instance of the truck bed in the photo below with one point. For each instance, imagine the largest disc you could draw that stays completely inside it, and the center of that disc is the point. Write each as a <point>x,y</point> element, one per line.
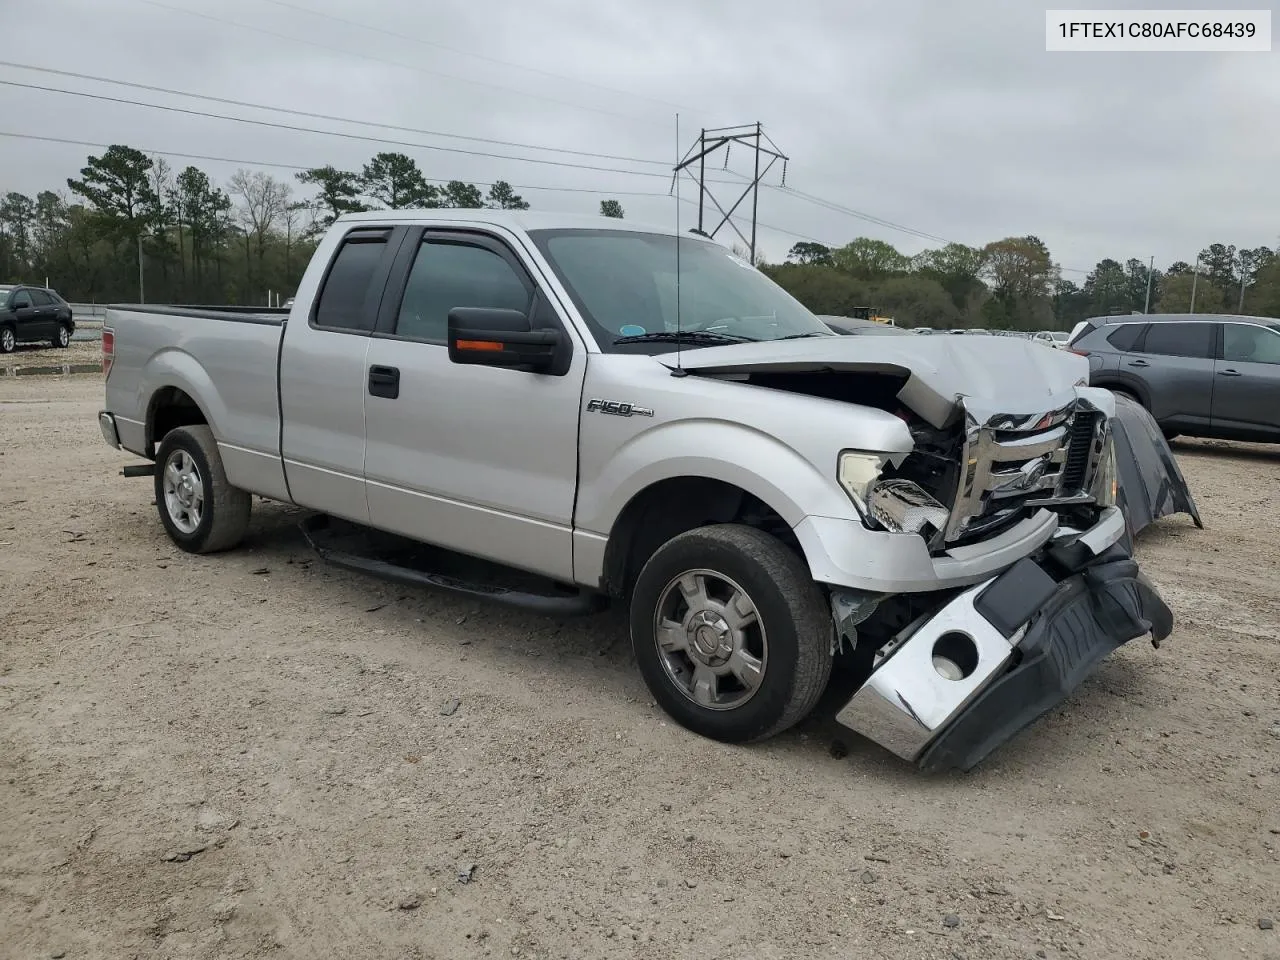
<point>225,356</point>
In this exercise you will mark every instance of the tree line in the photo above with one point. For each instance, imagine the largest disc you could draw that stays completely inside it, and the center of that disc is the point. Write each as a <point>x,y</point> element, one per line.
<point>1015,284</point>
<point>198,241</point>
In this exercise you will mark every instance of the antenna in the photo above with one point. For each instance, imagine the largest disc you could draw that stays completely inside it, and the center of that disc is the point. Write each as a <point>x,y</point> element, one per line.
<point>679,371</point>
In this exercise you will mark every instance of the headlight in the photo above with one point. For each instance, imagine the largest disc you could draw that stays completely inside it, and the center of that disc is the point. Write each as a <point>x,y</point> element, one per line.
<point>1106,486</point>
<point>858,473</point>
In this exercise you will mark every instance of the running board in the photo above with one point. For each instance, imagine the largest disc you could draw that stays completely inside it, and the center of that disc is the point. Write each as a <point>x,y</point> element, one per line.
<point>582,603</point>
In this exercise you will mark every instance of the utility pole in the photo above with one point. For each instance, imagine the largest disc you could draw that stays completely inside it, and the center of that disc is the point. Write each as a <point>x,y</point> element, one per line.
<point>1243,274</point>
<point>721,138</point>
<point>1195,276</point>
<point>1151,269</point>
<point>142,297</point>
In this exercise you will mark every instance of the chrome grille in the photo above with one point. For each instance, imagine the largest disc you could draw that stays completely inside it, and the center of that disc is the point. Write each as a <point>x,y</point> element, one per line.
<point>1011,463</point>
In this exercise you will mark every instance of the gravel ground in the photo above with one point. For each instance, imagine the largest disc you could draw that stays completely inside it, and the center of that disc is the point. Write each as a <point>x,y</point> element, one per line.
<point>251,755</point>
<point>39,355</point>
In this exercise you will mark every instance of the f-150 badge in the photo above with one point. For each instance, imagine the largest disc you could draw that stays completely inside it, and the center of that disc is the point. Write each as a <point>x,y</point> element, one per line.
<point>617,409</point>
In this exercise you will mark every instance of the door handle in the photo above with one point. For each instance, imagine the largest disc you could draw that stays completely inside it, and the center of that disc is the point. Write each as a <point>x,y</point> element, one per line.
<point>1230,373</point>
<point>1139,363</point>
<point>384,382</point>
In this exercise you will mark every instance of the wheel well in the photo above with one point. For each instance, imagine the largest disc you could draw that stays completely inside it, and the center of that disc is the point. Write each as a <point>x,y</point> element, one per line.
<point>1116,386</point>
<point>170,408</point>
<point>671,507</point>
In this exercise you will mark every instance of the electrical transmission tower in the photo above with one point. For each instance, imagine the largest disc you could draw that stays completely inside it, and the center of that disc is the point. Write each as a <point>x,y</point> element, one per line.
<point>754,139</point>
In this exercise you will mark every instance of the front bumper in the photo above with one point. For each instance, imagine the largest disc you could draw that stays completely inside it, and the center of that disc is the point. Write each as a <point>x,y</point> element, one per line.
<point>1000,655</point>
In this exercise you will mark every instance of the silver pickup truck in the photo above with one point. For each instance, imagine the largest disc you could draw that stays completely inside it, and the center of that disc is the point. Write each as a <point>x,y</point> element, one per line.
<point>635,415</point>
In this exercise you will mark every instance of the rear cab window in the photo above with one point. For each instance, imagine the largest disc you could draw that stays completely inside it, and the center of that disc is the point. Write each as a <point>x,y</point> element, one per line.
<point>349,297</point>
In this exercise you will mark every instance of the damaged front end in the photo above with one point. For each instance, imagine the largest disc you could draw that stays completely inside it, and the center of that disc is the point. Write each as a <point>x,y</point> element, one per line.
<point>975,664</point>
<point>955,685</point>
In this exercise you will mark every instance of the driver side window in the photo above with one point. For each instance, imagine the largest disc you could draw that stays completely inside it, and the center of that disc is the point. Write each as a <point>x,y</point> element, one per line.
<point>1246,343</point>
<point>451,273</point>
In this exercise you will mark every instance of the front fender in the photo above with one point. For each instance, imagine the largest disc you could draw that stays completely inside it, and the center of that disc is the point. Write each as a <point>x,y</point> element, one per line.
<point>733,453</point>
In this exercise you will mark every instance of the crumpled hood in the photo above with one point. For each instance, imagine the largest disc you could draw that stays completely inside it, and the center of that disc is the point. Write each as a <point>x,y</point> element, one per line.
<point>1004,374</point>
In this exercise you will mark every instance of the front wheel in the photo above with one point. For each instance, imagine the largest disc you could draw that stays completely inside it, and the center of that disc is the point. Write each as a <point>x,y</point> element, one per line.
<point>8,340</point>
<point>63,337</point>
<point>731,634</point>
<point>200,510</point>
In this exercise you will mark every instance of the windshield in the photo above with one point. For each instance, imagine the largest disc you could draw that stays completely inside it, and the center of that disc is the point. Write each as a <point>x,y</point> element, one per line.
<point>624,284</point>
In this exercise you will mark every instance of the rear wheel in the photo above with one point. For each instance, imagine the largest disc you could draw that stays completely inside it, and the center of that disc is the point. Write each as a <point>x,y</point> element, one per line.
<point>63,337</point>
<point>200,510</point>
<point>731,634</point>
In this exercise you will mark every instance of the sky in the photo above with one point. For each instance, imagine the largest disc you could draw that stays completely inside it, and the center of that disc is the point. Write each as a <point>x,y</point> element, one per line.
<point>915,122</point>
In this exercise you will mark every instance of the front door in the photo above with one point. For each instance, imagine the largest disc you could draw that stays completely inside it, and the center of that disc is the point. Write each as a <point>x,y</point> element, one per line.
<point>26,319</point>
<point>1246,390</point>
<point>476,459</point>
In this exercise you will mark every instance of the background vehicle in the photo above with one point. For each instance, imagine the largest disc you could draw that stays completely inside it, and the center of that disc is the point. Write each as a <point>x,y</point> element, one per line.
<point>861,327</point>
<point>1204,375</point>
<point>1052,338</point>
<point>33,314</point>
<point>627,414</point>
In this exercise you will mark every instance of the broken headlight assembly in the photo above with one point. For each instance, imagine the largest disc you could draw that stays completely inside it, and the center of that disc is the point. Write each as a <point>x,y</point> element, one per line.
<point>889,503</point>
<point>1106,482</point>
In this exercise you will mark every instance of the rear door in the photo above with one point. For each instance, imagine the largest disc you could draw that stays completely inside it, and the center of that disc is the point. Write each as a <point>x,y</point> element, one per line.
<point>1246,391</point>
<point>322,376</point>
<point>1175,363</point>
<point>477,459</point>
<point>46,314</point>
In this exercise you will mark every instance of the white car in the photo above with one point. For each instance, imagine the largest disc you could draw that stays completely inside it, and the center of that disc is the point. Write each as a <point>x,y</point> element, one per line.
<point>1053,338</point>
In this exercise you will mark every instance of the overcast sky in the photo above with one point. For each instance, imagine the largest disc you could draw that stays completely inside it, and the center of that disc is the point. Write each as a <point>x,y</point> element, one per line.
<point>946,118</point>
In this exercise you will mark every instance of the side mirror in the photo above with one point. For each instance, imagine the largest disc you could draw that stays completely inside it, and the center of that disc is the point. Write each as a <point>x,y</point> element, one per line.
<point>500,338</point>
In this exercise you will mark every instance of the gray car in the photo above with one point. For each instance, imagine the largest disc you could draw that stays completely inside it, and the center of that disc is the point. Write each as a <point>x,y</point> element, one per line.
<point>1203,375</point>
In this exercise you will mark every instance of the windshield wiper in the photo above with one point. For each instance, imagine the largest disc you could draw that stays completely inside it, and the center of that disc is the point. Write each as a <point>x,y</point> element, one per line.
<point>801,336</point>
<point>684,336</point>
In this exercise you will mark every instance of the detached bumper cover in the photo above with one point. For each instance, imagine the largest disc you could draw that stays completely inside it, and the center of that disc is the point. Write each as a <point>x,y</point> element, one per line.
<point>1034,634</point>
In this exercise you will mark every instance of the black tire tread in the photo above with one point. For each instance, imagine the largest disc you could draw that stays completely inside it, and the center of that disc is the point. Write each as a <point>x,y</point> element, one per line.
<point>801,595</point>
<point>231,505</point>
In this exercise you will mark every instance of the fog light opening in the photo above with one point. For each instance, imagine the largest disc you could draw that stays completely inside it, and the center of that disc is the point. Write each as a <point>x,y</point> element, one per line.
<point>955,655</point>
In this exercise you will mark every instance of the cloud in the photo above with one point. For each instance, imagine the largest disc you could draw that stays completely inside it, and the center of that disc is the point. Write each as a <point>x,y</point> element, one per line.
<point>948,119</point>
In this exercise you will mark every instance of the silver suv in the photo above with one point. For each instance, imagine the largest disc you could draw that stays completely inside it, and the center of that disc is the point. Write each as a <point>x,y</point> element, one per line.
<point>1204,375</point>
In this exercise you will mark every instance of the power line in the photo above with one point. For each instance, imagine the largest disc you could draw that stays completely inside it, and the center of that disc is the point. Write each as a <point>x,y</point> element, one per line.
<point>298,166</point>
<point>330,133</point>
<point>383,60</point>
<point>325,116</point>
<point>469,53</point>
<point>879,221</point>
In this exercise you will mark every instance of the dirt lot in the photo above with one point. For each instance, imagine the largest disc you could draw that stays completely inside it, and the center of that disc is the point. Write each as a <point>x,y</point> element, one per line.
<point>251,755</point>
<point>39,355</point>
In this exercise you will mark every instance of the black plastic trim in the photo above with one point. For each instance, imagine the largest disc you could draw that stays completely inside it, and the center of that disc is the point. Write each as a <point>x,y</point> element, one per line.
<point>1015,596</point>
<point>1090,614</point>
<point>582,603</point>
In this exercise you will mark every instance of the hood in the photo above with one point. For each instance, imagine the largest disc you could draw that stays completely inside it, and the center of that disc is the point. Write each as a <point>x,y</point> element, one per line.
<point>1003,374</point>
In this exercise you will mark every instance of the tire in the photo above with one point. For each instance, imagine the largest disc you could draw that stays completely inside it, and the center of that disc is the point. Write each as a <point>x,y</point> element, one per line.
<point>1128,395</point>
<point>789,640</point>
<point>8,339</point>
<point>63,337</point>
<point>200,510</point>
